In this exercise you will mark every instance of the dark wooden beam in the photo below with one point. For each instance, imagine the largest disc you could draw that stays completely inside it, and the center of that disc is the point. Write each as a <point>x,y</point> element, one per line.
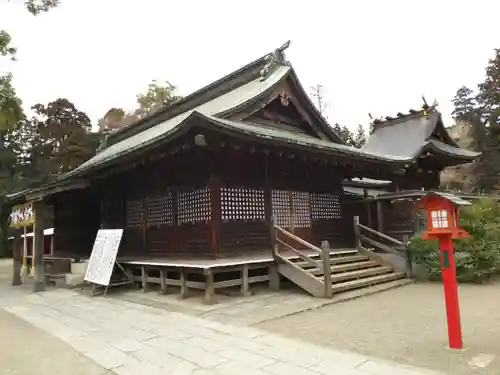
<point>38,195</point>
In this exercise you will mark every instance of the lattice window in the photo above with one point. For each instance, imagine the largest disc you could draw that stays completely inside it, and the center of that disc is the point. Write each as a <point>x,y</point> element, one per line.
<point>194,206</point>
<point>291,208</point>
<point>134,213</point>
<point>160,210</point>
<point>242,204</point>
<point>439,219</point>
<point>325,206</point>
<point>301,209</point>
<point>281,208</point>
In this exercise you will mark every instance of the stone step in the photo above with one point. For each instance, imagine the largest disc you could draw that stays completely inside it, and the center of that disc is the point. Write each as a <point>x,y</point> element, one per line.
<point>337,260</point>
<point>367,281</point>
<point>359,274</point>
<point>345,267</point>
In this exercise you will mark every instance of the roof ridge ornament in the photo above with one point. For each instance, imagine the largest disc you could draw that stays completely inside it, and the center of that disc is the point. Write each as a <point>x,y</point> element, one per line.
<point>273,60</point>
<point>428,109</point>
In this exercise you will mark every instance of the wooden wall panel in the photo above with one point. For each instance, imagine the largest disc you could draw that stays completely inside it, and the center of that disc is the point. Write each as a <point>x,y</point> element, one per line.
<point>76,222</point>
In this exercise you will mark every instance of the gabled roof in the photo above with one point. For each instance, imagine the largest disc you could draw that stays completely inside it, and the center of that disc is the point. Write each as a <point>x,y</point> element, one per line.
<point>203,118</point>
<point>177,127</point>
<point>217,106</point>
<point>220,88</point>
<point>412,135</point>
<point>230,100</point>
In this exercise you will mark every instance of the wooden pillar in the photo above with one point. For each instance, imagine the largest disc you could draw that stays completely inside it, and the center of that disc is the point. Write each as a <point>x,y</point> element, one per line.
<point>163,281</point>
<point>245,285</point>
<point>24,267</point>
<point>215,220</point>
<point>33,262</point>
<point>209,287</point>
<point>368,208</point>
<point>380,217</point>
<point>52,244</point>
<point>268,205</point>
<point>327,271</point>
<point>356,232</point>
<point>183,282</point>
<point>274,277</point>
<point>38,239</point>
<point>144,279</point>
<point>17,259</point>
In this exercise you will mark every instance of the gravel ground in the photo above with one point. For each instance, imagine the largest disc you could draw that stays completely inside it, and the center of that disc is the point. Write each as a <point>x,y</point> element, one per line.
<point>407,325</point>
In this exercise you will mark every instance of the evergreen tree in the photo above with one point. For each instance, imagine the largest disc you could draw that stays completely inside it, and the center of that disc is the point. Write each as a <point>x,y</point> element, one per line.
<point>488,113</point>
<point>359,138</point>
<point>464,103</point>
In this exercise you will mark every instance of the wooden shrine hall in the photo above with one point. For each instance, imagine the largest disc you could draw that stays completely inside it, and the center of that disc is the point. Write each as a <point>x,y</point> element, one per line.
<point>243,177</point>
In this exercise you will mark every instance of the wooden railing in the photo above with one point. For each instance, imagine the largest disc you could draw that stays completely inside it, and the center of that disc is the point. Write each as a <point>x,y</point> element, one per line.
<point>307,281</point>
<point>382,242</point>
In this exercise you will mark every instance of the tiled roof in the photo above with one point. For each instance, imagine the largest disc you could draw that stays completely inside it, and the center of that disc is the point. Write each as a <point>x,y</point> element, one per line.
<point>410,135</point>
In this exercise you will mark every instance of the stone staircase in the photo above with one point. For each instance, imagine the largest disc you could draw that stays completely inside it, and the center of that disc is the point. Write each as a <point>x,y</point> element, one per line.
<point>349,270</point>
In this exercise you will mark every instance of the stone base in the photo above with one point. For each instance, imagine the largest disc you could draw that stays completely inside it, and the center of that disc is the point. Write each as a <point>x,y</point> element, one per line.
<point>72,279</point>
<point>38,287</point>
<point>79,268</point>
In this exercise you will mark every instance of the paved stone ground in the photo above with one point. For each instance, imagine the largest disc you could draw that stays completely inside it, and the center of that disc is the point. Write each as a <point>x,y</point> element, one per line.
<point>132,339</point>
<point>28,350</point>
<point>407,325</point>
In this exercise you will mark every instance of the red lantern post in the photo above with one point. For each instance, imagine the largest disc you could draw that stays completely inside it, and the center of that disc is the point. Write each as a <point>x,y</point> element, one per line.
<point>443,224</point>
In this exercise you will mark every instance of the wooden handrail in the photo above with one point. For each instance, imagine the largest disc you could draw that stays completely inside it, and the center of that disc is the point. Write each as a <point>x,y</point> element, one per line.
<point>306,257</point>
<point>381,245</point>
<point>359,237</point>
<point>324,251</point>
<point>382,235</point>
<point>299,240</point>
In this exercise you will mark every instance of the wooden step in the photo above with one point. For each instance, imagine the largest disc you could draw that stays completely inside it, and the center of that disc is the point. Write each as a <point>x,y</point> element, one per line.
<point>346,267</point>
<point>354,284</point>
<point>337,260</point>
<point>358,274</point>
<point>335,255</point>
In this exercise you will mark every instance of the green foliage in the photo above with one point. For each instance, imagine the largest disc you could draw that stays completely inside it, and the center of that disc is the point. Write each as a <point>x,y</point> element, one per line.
<point>482,113</point>
<point>158,95</point>
<point>464,103</point>
<point>36,7</point>
<point>10,105</point>
<point>359,138</point>
<point>6,48</point>
<point>113,119</point>
<point>478,255</point>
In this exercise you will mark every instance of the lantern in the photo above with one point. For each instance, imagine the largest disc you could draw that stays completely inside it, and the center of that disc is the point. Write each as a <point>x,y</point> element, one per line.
<point>442,215</point>
<point>443,224</point>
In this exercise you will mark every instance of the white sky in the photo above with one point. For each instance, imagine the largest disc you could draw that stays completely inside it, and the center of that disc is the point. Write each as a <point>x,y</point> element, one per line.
<point>371,56</point>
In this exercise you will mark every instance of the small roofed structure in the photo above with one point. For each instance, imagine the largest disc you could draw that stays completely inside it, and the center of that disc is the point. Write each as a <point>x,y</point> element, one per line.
<point>421,138</point>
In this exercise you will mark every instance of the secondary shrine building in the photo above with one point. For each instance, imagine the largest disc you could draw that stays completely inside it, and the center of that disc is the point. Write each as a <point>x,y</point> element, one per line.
<point>204,177</point>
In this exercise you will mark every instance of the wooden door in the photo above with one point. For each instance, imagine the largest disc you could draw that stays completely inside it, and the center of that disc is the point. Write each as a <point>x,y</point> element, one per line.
<point>292,211</point>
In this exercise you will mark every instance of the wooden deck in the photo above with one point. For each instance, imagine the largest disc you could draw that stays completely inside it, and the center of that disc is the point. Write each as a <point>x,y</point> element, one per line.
<point>210,275</point>
<point>221,262</point>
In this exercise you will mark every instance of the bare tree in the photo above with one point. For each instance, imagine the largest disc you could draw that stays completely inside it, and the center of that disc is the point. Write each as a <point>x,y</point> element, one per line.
<point>318,98</point>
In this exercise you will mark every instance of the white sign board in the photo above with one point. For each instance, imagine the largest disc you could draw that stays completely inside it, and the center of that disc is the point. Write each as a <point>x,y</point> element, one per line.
<point>103,257</point>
